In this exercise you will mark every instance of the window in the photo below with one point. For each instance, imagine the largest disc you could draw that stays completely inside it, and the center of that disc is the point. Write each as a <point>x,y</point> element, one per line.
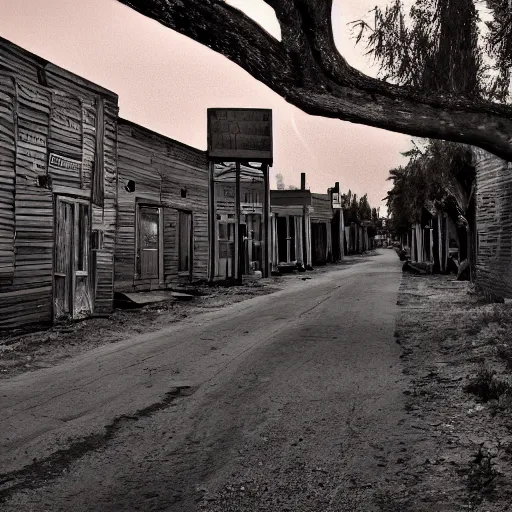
<point>185,242</point>
<point>226,239</point>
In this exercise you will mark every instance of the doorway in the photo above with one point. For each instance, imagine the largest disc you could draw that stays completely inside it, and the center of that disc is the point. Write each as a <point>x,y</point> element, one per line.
<point>72,283</point>
<point>319,243</point>
<point>226,249</point>
<point>286,234</point>
<point>148,242</point>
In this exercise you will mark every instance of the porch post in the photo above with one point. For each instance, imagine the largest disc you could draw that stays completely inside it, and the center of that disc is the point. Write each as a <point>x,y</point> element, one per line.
<point>238,275</point>
<point>304,225</point>
<point>266,253</point>
<point>212,219</point>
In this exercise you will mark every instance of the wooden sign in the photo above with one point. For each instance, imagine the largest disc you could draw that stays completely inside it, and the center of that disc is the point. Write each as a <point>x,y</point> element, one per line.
<point>240,134</point>
<point>336,201</point>
<point>64,163</point>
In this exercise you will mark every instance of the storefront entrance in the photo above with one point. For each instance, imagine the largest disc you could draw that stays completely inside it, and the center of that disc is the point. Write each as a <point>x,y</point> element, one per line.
<point>72,283</point>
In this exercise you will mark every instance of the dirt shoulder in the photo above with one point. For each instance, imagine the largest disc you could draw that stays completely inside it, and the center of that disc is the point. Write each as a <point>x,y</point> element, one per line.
<point>456,349</point>
<point>24,352</point>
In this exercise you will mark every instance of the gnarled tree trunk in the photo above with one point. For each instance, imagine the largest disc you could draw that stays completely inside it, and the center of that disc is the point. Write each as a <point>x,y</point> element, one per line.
<point>306,69</point>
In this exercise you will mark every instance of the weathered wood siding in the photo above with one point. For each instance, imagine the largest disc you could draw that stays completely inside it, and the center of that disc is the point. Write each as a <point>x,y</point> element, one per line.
<point>296,203</point>
<point>7,177</point>
<point>225,197</point>
<point>160,169</point>
<point>322,214</point>
<point>43,111</point>
<point>322,209</point>
<point>494,225</point>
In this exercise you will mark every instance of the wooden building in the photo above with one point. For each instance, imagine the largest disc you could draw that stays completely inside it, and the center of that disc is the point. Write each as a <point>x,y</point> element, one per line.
<point>162,235</point>
<point>307,228</point>
<point>57,192</point>
<point>493,225</point>
<point>291,227</point>
<point>321,232</point>
<point>252,249</point>
<point>240,152</point>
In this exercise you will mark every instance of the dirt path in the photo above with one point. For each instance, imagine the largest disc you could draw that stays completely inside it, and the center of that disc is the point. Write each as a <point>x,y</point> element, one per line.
<point>342,393</point>
<point>292,401</point>
<point>453,342</point>
<point>22,352</point>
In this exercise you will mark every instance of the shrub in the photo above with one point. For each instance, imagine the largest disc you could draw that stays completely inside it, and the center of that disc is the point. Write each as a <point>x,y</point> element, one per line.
<point>487,386</point>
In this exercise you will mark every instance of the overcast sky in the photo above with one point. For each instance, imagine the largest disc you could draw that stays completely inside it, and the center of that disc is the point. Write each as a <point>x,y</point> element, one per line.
<point>166,82</point>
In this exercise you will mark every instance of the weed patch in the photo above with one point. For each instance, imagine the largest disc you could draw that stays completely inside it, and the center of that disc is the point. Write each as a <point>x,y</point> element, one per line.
<point>487,386</point>
<point>497,315</point>
<point>483,473</point>
<point>505,352</point>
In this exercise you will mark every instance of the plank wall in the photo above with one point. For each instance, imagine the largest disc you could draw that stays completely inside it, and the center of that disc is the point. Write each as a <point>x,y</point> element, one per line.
<point>161,168</point>
<point>44,110</point>
<point>494,225</point>
<point>322,212</point>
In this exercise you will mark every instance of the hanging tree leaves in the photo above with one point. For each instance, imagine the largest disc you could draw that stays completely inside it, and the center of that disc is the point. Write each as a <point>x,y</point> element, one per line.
<point>442,175</point>
<point>435,46</point>
<point>499,45</point>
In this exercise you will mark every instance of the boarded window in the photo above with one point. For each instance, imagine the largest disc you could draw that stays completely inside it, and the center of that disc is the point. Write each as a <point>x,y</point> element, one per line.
<point>185,242</point>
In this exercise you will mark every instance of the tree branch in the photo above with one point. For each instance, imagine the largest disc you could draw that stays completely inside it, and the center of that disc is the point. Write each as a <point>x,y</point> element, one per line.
<point>306,69</point>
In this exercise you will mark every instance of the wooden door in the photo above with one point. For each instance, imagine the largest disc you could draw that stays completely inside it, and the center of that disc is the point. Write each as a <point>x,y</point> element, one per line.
<point>72,284</point>
<point>291,239</point>
<point>149,242</point>
<point>319,236</point>
<point>63,275</point>
<point>282,236</point>
<point>254,259</point>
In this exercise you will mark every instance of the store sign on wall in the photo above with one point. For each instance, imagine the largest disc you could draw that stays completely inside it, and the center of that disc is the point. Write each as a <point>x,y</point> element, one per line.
<point>240,134</point>
<point>64,163</point>
<point>336,201</point>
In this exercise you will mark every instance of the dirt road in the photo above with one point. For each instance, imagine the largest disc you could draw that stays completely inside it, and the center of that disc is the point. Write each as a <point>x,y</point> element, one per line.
<point>292,401</point>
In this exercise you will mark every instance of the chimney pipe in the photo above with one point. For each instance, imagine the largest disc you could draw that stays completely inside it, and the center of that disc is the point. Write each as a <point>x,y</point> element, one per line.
<point>303,181</point>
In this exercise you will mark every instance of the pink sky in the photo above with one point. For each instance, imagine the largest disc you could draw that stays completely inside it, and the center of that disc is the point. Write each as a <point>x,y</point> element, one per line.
<point>166,82</point>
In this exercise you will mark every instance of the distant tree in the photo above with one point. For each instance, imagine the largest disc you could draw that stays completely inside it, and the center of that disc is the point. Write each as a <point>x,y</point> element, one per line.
<point>442,176</point>
<point>435,46</point>
<point>280,181</point>
<point>365,210</point>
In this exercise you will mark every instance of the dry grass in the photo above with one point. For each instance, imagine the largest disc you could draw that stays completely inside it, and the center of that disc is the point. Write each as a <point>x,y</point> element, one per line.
<point>487,386</point>
<point>481,479</point>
